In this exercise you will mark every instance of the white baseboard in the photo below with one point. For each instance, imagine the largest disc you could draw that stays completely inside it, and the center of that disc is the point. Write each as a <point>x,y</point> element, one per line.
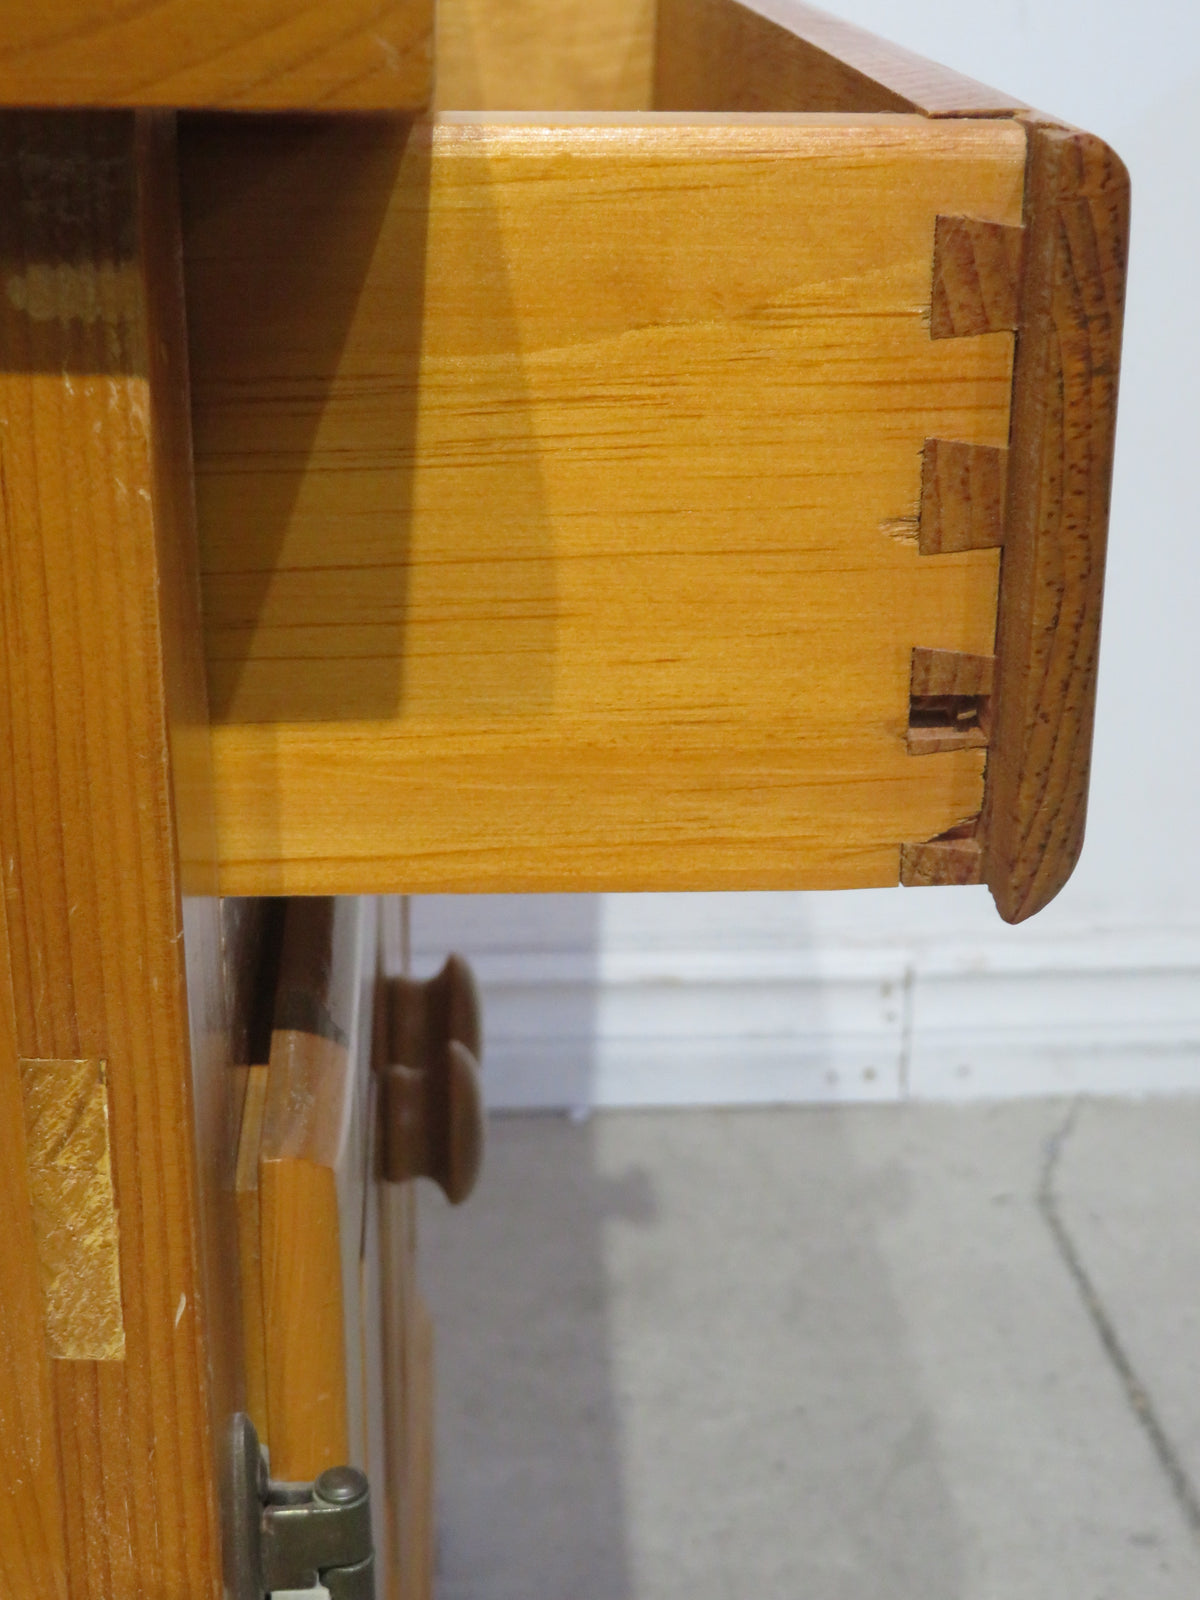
<point>1096,1020</point>
<point>1097,1014</point>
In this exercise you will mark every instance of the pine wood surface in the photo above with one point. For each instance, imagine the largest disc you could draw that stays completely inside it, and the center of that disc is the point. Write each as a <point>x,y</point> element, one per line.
<point>316,1234</point>
<point>249,1251</point>
<point>265,55</point>
<point>310,1192</point>
<point>545,55</point>
<point>33,1556</point>
<point>94,534</point>
<point>1060,472</point>
<point>220,951</point>
<point>783,55</point>
<point>218,947</point>
<point>306,1136</point>
<point>573,544</point>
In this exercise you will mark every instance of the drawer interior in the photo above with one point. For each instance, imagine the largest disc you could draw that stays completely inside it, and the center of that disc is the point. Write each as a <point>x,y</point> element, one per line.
<point>569,55</point>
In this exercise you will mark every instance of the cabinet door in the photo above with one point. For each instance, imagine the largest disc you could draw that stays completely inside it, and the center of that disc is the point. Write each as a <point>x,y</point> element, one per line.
<point>338,1349</point>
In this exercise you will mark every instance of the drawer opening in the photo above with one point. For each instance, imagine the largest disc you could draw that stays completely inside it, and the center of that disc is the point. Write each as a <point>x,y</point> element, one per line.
<point>652,55</point>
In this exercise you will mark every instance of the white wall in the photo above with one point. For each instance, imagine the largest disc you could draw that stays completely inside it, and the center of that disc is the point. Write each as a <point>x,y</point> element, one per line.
<point>632,999</point>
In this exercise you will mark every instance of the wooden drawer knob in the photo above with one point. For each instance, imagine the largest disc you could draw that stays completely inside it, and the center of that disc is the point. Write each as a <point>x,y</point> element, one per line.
<point>431,1100</point>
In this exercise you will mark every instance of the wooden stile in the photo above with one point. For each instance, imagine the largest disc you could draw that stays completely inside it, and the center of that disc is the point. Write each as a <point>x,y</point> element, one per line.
<point>33,1556</point>
<point>104,822</point>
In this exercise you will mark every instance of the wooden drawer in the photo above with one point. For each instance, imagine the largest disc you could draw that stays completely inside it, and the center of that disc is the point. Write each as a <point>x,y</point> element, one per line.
<point>610,499</point>
<point>697,478</point>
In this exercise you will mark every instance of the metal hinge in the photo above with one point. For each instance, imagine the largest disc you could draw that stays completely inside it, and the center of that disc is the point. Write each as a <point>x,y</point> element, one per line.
<point>286,1536</point>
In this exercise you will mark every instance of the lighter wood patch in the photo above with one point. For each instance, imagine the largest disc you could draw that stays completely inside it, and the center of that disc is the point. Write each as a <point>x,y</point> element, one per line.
<point>74,1207</point>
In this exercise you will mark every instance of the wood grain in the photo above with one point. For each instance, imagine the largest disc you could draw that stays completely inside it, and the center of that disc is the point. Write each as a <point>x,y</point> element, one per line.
<point>1064,417</point>
<point>936,741</point>
<point>94,517</point>
<point>976,277</point>
<point>954,860</point>
<point>312,1172</point>
<point>949,701</point>
<point>963,489</point>
<point>217,949</point>
<point>33,1557</point>
<point>782,55</point>
<point>552,554</point>
<point>74,1208</point>
<point>249,1243</point>
<point>306,1128</point>
<point>264,55</point>
<point>950,672</point>
<point>545,55</point>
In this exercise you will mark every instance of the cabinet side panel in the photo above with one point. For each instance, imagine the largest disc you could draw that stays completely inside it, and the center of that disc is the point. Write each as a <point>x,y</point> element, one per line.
<point>88,812</point>
<point>33,1563</point>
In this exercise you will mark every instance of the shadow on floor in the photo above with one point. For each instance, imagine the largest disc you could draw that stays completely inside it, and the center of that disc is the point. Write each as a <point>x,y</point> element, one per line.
<point>671,1364</point>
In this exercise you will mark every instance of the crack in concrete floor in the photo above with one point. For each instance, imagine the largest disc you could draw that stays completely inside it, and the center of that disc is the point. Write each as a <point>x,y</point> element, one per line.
<point>825,1352</point>
<point>1138,1396</point>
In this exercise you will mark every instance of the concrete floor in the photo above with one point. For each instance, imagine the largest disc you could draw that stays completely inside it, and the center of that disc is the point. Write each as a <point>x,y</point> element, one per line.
<point>896,1353</point>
